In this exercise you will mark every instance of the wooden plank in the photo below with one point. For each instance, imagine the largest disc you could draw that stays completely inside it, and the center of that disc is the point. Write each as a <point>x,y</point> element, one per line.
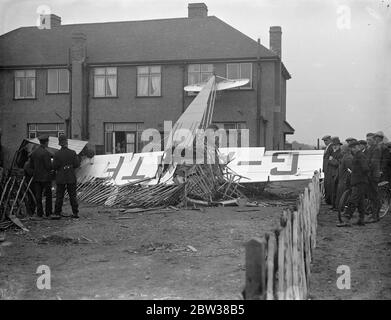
<point>255,288</point>
<point>281,264</point>
<point>295,256</point>
<point>271,253</point>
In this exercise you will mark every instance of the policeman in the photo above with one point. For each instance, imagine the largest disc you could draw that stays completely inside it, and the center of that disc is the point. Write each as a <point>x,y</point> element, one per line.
<point>333,165</point>
<point>373,155</point>
<point>65,162</point>
<point>358,181</point>
<point>327,152</point>
<point>41,165</point>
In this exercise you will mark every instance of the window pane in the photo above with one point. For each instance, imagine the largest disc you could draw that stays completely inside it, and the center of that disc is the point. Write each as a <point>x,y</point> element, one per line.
<point>30,88</point>
<point>142,70</point>
<point>245,73</point>
<point>229,126</point>
<point>47,127</point>
<point>194,67</point>
<point>99,86</point>
<point>19,88</point>
<point>109,142</point>
<point>125,126</point>
<point>61,127</point>
<point>155,69</point>
<point>30,73</point>
<point>19,73</point>
<point>111,86</point>
<point>52,81</point>
<point>130,138</point>
<point>194,78</point>
<point>155,86</point>
<point>206,67</point>
<point>233,71</point>
<point>205,77</point>
<point>100,71</point>
<point>63,79</point>
<point>32,127</point>
<point>111,71</point>
<point>142,85</point>
<point>32,135</point>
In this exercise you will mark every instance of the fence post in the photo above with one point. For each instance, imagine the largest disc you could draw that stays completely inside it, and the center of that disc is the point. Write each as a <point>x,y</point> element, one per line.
<point>255,288</point>
<point>271,253</point>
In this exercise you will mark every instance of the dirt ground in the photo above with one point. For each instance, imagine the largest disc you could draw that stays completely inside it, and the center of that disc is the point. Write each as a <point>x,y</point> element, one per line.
<point>186,254</point>
<point>365,250</point>
<point>145,256</point>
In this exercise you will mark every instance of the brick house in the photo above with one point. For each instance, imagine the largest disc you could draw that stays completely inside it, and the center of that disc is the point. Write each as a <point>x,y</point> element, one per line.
<point>106,82</point>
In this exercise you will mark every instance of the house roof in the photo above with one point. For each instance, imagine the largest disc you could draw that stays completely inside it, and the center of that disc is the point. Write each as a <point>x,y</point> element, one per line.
<point>131,41</point>
<point>287,128</point>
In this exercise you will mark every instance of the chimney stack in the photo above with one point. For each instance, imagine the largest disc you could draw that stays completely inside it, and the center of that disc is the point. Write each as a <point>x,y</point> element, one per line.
<point>197,10</point>
<point>49,21</point>
<point>275,39</point>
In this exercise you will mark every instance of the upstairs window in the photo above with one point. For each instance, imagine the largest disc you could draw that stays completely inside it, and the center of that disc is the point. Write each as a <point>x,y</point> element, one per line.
<point>105,82</point>
<point>240,71</point>
<point>58,81</point>
<point>25,84</point>
<point>149,81</point>
<point>199,73</point>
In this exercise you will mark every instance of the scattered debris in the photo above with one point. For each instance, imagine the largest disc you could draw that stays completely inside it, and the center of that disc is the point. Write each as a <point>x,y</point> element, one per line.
<point>62,240</point>
<point>192,248</point>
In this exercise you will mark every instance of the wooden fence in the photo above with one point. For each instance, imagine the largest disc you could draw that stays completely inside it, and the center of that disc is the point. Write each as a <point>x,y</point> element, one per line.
<point>278,265</point>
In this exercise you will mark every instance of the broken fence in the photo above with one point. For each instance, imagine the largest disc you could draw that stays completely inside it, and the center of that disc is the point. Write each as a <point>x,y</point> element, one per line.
<point>278,264</point>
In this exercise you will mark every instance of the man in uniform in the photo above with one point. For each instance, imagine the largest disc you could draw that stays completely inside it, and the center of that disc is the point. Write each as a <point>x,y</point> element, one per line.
<point>358,181</point>
<point>373,155</point>
<point>332,168</point>
<point>65,162</point>
<point>326,181</point>
<point>41,165</point>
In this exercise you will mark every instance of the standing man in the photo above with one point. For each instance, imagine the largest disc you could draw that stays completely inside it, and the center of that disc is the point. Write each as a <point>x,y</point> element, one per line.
<point>41,166</point>
<point>373,155</point>
<point>343,171</point>
<point>65,162</point>
<point>326,181</point>
<point>333,165</point>
<point>384,156</point>
<point>358,182</point>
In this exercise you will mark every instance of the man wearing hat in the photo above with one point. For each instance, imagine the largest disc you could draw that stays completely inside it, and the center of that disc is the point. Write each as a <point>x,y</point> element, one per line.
<point>41,166</point>
<point>363,145</point>
<point>343,171</point>
<point>384,156</point>
<point>327,152</point>
<point>358,181</point>
<point>350,139</point>
<point>65,162</point>
<point>333,164</point>
<point>373,154</point>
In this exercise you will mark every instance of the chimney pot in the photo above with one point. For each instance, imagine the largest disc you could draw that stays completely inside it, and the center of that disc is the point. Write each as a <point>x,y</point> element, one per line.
<point>197,10</point>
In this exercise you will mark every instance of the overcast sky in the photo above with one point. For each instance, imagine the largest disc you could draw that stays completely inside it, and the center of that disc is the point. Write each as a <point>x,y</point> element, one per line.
<point>338,52</point>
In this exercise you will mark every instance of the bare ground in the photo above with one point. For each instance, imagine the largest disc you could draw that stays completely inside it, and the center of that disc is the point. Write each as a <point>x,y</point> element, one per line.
<point>143,257</point>
<point>365,250</point>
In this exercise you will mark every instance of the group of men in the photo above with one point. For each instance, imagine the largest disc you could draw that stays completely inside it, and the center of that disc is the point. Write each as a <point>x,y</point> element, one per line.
<point>359,165</point>
<point>43,167</point>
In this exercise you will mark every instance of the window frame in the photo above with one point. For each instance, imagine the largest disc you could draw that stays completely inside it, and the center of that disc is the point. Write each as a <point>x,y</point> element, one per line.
<point>36,124</point>
<point>239,125</point>
<point>24,79</point>
<point>149,75</point>
<point>105,75</point>
<point>139,126</point>
<point>251,87</point>
<point>58,81</point>
<point>200,72</point>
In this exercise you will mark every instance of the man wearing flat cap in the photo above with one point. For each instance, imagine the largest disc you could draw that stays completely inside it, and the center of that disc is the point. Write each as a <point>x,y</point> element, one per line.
<point>41,166</point>
<point>343,171</point>
<point>384,156</point>
<point>358,181</point>
<point>65,162</point>
<point>333,164</point>
<point>327,152</point>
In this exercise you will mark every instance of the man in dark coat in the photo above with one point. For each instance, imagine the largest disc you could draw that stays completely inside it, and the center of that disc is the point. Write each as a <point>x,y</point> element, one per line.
<point>333,165</point>
<point>41,165</point>
<point>359,182</point>
<point>65,162</point>
<point>384,156</point>
<point>326,181</point>
<point>373,154</point>
<point>343,171</point>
